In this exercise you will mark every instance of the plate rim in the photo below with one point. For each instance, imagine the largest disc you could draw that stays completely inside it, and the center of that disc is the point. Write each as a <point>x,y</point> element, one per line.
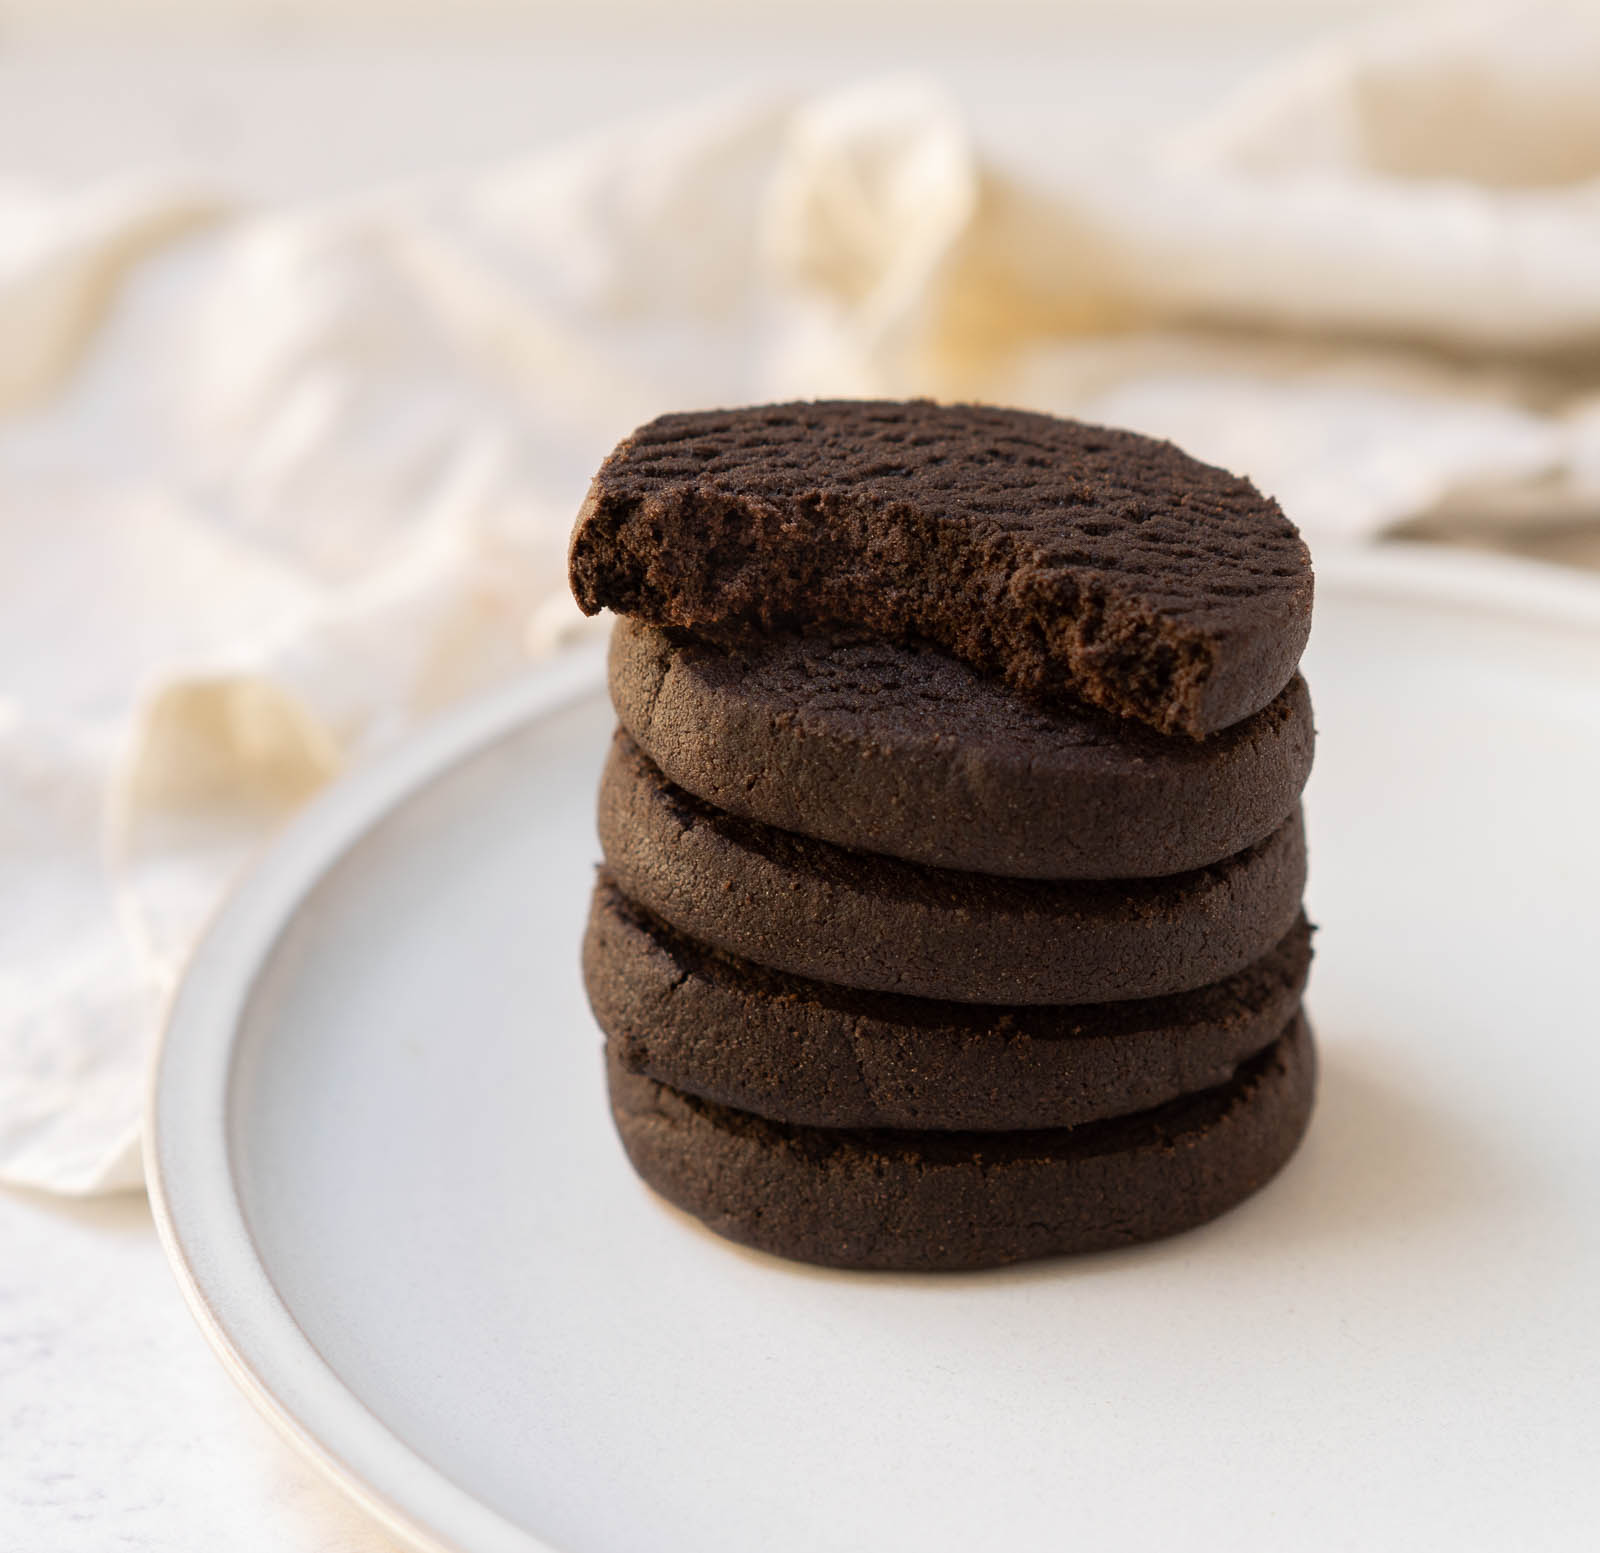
<point>186,1146</point>
<point>194,1198</point>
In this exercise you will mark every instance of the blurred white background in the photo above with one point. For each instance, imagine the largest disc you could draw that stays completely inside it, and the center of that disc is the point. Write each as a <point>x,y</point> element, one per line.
<point>292,99</point>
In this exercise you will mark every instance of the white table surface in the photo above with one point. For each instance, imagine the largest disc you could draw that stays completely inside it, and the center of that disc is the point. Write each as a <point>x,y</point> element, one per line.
<point>117,1427</point>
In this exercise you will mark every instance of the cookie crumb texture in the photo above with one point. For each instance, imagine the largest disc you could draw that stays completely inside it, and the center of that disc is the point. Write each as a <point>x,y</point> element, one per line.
<point>953,1201</point>
<point>1057,556</point>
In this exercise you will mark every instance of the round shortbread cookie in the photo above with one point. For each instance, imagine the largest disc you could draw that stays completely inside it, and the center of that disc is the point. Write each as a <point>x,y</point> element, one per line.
<point>906,751</point>
<point>950,1201</point>
<point>1054,555</point>
<point>816,910</point>
<point>815,1055</point>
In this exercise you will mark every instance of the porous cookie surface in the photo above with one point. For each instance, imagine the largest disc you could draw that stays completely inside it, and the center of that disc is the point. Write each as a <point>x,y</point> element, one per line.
<point>1055,555</point>
<point>816,910</point>
<point>904,750</point>
<point>804,1052</point>
<point>947,1201</point>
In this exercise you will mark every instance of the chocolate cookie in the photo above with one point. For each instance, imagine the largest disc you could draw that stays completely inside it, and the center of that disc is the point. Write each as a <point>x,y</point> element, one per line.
<point>816,910</point>
<point>801,1051</point>
<point>907,751</point>
<point>940,1201</point>
<point>1054,555</point>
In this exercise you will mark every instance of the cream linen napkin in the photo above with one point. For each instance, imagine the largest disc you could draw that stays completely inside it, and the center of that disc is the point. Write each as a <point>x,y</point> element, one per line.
<point>310,477</point>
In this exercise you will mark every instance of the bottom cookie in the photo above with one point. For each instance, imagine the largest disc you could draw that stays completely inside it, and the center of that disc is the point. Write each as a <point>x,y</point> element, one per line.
<point>949,1201</point>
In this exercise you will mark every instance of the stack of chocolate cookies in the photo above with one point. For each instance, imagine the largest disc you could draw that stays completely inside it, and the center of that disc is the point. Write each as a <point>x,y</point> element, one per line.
<point>950,912</point>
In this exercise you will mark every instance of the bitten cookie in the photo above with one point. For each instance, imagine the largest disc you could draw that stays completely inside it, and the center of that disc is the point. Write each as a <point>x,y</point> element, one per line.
<point>1056,556</point>
<point>816,910</point>
<point>906,751</point>
<point>803,1052</point>
<point>946,1201</point>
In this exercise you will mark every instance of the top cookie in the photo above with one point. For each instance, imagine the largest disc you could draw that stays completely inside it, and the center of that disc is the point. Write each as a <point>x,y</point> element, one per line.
<point>1058,556</point>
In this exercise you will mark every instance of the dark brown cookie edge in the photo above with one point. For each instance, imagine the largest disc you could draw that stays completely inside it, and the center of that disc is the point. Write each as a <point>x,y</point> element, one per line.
<point>1144,806</point>
<point>803,1052</point>
<point>818,911</point>
<point>952,1202</point>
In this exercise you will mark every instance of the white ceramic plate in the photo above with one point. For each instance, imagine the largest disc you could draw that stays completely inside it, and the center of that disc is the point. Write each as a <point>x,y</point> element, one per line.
<point>384,1169</point>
